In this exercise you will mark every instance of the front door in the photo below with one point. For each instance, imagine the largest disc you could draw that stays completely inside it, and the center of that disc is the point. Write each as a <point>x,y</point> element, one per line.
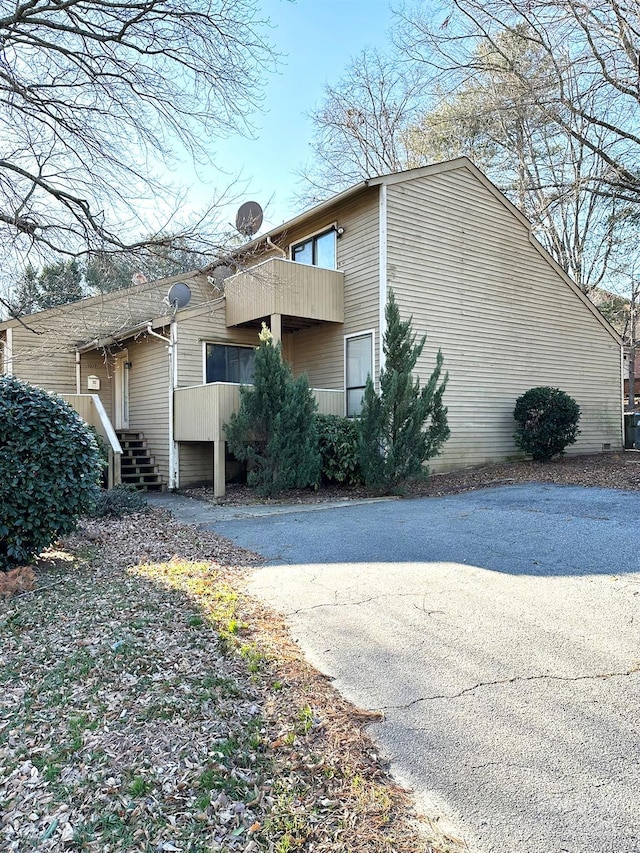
<point>121,402</point>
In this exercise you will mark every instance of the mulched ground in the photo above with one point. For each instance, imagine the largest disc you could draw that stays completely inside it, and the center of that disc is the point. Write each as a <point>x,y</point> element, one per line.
<point>607,470</point>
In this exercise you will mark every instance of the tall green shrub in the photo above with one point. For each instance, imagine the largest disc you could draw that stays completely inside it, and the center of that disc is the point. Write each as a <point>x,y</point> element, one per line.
<point>547,422</point>
<point>275,429</point>
<point>405,424</point>
<point>49,470</point>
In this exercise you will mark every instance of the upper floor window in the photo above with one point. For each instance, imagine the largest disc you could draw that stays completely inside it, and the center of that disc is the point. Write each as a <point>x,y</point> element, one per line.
<point>225,363</point>
<point>319,250</point>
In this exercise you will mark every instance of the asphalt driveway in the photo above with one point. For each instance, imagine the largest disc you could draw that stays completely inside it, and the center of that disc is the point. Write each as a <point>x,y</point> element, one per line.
<point>499,632</point>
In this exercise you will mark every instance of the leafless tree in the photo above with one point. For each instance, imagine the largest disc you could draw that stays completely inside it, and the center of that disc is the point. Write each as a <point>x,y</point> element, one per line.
<point>551,175</point>
<point>493,93</point>
<point>97,97</point>
<point>360,126</point>
<point>591,54</point>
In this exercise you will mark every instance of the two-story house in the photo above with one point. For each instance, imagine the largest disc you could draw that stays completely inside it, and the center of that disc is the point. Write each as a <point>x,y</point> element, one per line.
<point>461,261</point>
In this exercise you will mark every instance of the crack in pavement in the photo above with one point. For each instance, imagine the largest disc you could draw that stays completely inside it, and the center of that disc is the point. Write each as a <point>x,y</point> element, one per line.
<point>634,670</point>
<point>358,603</point>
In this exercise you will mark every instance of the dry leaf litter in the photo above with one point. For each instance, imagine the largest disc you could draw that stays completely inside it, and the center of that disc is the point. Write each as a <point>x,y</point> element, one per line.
<point>148,704</point>
<point>607,470</point>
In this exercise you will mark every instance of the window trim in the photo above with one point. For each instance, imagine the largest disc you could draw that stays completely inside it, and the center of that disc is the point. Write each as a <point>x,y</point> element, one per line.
<point>326,229</point>
<point>371,333</point>
<point>207,342</point>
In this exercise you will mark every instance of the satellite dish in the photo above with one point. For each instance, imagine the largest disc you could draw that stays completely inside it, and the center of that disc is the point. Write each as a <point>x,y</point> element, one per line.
<point>219,274</point>
<point>138,278</point>
<point>249,218</point>
<point>179,295</point>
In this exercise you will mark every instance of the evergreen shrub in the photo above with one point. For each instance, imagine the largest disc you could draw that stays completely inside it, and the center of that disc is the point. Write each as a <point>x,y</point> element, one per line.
<point>49,470</point>
<point>123,499</point>
<point>338,443</point>
<point>275,429</point>
<point>547,422</point>
<point>405,425</point>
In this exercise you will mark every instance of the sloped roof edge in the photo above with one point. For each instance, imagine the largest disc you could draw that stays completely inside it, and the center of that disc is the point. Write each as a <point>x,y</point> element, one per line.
<point>87,301</point>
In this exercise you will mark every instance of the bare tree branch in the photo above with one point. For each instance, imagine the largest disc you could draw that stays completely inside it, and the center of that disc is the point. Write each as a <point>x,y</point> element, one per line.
<point>97,96</point>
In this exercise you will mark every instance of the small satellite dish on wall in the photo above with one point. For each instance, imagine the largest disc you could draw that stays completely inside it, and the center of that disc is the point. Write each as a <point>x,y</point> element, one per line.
<point>179,295</point>
<point>219,274</point>
<point>249,218</point>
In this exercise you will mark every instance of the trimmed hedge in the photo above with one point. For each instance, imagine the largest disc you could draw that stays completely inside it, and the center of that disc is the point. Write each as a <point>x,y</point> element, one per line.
<point>547,420</point>
<point>49,470</point>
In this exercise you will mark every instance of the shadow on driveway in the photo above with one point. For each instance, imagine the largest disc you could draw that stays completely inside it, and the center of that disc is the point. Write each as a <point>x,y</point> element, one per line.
<point>525,530</point>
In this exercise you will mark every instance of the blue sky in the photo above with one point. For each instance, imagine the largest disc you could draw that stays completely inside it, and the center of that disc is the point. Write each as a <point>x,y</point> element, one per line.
<point>317,39</point>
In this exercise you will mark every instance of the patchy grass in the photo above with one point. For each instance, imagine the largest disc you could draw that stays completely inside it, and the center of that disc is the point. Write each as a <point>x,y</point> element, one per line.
<point>150,705</point>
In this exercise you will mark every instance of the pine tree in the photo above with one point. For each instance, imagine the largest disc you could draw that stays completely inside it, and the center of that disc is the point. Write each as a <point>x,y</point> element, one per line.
<point>59,284</point>
<point>275,429</point>
<point>404,425</point>
<point>25,300</point>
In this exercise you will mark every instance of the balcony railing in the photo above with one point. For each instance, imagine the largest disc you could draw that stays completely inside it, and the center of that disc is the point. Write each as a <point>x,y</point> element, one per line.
<point>201,411</point>
<point>278,286</point>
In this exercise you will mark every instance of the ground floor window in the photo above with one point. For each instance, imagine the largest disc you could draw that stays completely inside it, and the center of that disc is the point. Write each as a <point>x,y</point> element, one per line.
<point>227,363</point>
<point>358,365</point>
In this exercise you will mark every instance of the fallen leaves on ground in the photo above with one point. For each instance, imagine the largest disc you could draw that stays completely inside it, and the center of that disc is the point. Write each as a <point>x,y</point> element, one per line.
<point>150,705</point>
<point>606,470</point>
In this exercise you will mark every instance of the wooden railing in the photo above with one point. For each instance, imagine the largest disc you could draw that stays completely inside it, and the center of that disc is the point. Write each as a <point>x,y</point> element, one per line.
<point>278,286</point>
<point>201,411</point>
<point>92,412</point>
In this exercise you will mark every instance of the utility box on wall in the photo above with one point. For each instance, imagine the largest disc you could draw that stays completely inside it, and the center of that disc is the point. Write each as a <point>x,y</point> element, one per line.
<point>93,383</point>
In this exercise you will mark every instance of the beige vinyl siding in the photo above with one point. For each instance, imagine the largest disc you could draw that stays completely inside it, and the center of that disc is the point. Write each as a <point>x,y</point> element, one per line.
<point>149,397</point>
<point>45,360</point>
<point>200,326</point>
<point>94,363</point>
<point>44,347</point>
<point>196,463</point>
<point>464,266</point>
<point>280,286</point>
<point>319,352</point>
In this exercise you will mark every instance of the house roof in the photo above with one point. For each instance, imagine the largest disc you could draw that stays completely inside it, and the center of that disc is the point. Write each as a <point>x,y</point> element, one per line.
<point>365,185</point>
<point>98,299</point>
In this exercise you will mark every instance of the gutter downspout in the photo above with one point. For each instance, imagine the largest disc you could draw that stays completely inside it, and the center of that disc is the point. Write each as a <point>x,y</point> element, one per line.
<point>272,245</point>
<point>8,353</point>
<point>173,371</point>
<point>382,263</point>
<point>78,389</point>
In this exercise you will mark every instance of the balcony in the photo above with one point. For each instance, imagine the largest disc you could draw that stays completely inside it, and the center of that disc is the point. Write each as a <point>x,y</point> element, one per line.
<point>201,411</point>
<point>303,295</point>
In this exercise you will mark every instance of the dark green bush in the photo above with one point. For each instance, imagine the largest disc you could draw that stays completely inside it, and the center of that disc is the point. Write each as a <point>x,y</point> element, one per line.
<point>123,499</point>
<point>49,470</point>
<point>547,420</point>
<point>338,443</point>
<point>405,425</point>
<point>275,429</point>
